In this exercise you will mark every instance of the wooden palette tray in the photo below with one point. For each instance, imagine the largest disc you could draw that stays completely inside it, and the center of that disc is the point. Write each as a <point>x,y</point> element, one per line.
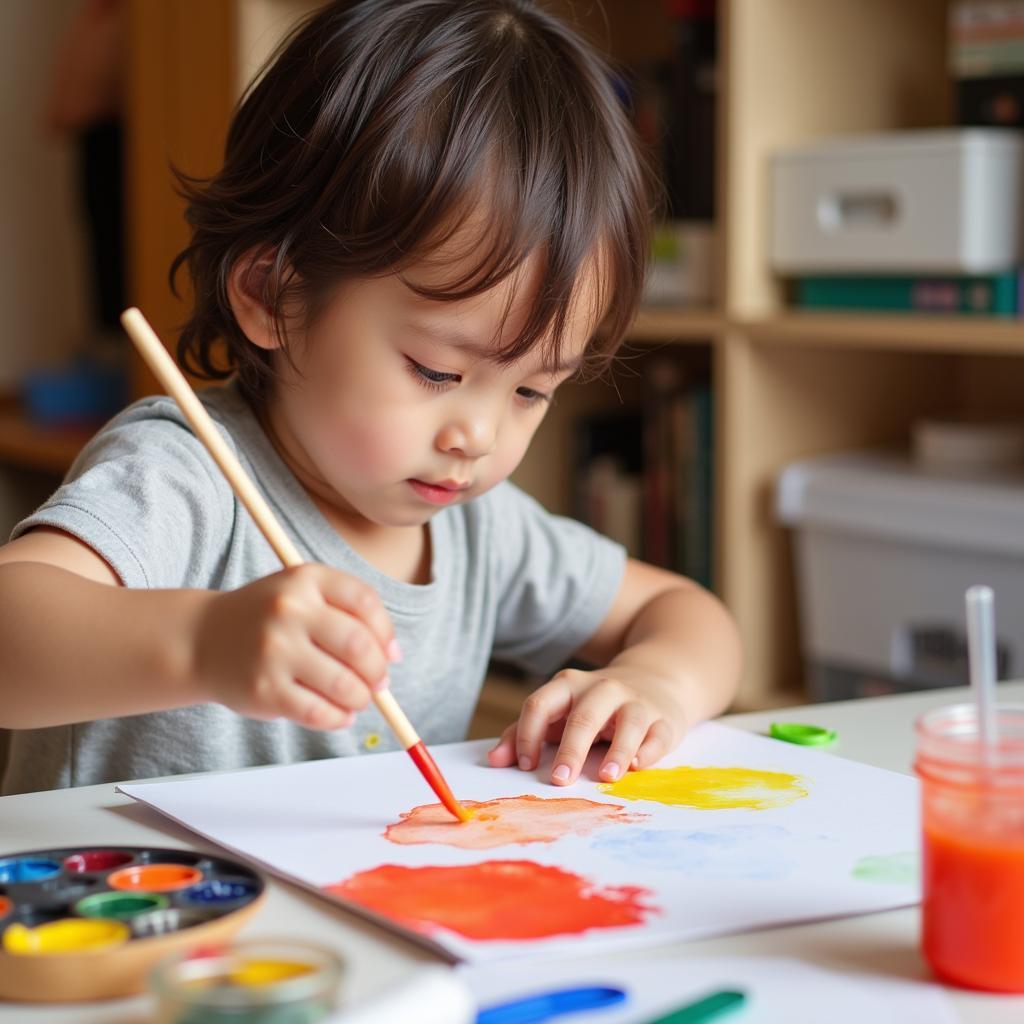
<point>84,923</point>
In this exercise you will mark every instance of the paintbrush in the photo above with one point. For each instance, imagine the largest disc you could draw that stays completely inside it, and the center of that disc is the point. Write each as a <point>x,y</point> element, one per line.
<point>174,383</point>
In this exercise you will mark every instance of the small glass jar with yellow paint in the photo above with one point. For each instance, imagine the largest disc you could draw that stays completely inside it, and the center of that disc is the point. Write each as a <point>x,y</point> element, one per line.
<point>258,982</point>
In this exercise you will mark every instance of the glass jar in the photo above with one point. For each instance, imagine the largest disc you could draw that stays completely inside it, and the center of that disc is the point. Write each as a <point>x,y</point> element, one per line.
<point>255,982</point>
<point>973,847</point>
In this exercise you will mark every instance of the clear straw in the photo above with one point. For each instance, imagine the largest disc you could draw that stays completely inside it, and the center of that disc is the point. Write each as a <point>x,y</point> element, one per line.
<point>981,654</point>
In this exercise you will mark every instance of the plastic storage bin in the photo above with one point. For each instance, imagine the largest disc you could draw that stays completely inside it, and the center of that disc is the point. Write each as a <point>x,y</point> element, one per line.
<point>911,202</point>
<point>884,552</point>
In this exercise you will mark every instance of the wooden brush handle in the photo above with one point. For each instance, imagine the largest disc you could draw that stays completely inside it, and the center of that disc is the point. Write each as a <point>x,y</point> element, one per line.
<point>173,381</point>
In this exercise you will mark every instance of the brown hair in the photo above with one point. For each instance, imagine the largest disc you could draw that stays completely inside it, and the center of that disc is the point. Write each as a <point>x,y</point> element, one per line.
<point>377,127</point>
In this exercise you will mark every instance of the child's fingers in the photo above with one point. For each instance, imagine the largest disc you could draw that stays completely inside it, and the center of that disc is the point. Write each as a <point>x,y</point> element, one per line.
<point>657,744</point>
<point>632,724</point>
<point>362,602</point>
<point>544,706</point>
<point>587,718</point>
<point>503,753</point>
<point>333,681</point>
<point>307,708</point>
<point>349,642</point>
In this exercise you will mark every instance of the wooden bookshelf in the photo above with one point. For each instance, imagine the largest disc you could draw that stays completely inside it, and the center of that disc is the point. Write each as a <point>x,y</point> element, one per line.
<point>676,324</point>
<point>904,333</point>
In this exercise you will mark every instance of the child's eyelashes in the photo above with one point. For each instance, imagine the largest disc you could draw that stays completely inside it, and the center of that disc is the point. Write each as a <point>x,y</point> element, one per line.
<point>532,397</point>
<point>437,380</point>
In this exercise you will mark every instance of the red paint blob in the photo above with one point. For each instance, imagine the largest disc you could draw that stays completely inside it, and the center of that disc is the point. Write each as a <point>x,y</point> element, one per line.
<point>496,899</point>
<point>5,906</point>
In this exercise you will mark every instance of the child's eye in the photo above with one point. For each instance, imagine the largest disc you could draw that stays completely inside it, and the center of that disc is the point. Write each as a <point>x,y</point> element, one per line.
<point>428,377</point>
<point>532,397</point>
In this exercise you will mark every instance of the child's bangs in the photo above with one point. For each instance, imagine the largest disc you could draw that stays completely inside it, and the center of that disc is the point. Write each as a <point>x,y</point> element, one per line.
<point>499,231</point>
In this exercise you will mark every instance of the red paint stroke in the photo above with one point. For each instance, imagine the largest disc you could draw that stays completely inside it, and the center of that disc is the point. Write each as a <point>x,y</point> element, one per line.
<point>497,899</point>
<point>507,820</point>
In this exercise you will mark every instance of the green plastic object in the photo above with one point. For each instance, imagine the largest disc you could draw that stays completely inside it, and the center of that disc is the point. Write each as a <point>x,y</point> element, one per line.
<point>803,735</point>
<point>712,1007</point>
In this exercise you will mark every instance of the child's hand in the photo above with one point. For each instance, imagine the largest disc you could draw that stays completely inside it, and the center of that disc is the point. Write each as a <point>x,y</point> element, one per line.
<point>636,713</point>
<point>308,644</point>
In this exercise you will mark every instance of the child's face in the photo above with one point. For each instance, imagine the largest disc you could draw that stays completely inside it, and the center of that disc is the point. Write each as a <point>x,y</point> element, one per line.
<point>401,409</point>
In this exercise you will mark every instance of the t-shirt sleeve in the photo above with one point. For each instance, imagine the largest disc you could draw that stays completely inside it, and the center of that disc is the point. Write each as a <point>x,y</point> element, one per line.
<point>143,495</point>
<point>557,580</point>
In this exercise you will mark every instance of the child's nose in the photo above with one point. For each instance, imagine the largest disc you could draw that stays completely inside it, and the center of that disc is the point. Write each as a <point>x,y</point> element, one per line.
<point>471,436</point>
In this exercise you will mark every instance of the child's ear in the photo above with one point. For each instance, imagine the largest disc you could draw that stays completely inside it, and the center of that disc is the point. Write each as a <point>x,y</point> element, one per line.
<point>247,292</point>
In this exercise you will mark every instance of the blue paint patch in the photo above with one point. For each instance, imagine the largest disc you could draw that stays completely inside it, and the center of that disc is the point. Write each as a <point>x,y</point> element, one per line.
<point>754,852</point>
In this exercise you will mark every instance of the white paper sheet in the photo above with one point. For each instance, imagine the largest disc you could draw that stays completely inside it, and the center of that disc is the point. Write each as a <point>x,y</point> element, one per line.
<point>848,847</point>
<point>778,990</point>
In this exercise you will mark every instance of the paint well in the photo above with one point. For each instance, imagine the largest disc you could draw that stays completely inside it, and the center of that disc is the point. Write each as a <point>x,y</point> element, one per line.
<point>120,905</point>
<point>710,788</point>
<point>754,852</point>
<point>97,860</point>
<point>514,820</point>
<point>28,869</point>
<point>69,935</point>
<point>889,869</point>
<point>501,899</point>
<point>155,878</point>
<point>5,906</point>
<point>220,890</point>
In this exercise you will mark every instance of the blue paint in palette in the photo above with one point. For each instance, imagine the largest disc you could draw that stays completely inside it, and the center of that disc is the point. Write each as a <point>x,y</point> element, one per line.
<point>28,869</point>
<point>220,890</point>
<point>755,852</point>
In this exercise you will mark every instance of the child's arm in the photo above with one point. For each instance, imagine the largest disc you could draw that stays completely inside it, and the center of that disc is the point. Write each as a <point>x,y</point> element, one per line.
<point>306,644</point>
<point>672,658</point>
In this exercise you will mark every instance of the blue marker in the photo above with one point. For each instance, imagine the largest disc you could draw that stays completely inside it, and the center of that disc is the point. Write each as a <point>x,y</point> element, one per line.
<point>551,1004</point>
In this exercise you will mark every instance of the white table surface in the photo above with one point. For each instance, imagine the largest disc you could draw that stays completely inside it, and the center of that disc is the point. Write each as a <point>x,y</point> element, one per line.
<point>877,731</point>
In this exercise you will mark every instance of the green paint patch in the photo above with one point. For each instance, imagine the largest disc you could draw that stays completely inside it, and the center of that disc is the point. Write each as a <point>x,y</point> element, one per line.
<point>888,869</point>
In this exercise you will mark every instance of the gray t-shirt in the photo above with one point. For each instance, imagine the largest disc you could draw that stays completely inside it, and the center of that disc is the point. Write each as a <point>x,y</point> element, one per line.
<point>507,578</point>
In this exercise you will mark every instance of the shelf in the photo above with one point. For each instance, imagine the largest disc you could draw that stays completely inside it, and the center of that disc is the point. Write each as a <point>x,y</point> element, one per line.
<point>898,333</point>
<point>29,446</point>
<point>676,323</point>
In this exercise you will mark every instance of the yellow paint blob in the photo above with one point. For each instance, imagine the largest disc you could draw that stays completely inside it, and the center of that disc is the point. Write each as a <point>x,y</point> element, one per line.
<point>710,789</point>
<point>69,935</point>
<point>258,973</point>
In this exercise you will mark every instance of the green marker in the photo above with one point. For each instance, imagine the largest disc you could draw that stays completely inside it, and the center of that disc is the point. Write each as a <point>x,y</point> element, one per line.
<point>803,735</point>
<point>709,1008</point>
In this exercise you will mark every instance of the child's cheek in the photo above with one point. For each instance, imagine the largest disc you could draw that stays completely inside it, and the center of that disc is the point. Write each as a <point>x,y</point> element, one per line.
<point>379,447</point>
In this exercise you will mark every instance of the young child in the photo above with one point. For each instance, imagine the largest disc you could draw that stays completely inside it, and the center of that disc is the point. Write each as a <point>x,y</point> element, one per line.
<point>426,209</point>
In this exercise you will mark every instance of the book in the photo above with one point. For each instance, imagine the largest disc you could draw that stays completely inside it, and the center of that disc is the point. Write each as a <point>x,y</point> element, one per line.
<point>645,478</point>
<point>992,295</point>
<point>991,102</point>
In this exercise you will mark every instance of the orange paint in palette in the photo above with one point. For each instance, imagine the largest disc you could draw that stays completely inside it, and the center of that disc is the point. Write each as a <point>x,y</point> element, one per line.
<point>155,878</point>
<point>5,906</point>
<point>514,820</point>
<point>495,900</point>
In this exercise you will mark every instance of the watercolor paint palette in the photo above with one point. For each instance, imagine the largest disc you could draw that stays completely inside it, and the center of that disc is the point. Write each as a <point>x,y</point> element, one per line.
<point>90,922</point>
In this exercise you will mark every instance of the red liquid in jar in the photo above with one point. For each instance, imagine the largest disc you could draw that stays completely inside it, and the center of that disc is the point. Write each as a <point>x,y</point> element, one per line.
<point>973,913</point>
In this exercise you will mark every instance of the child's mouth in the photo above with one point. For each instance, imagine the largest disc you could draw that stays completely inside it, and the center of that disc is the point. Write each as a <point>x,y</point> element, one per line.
<point>435,494</point>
